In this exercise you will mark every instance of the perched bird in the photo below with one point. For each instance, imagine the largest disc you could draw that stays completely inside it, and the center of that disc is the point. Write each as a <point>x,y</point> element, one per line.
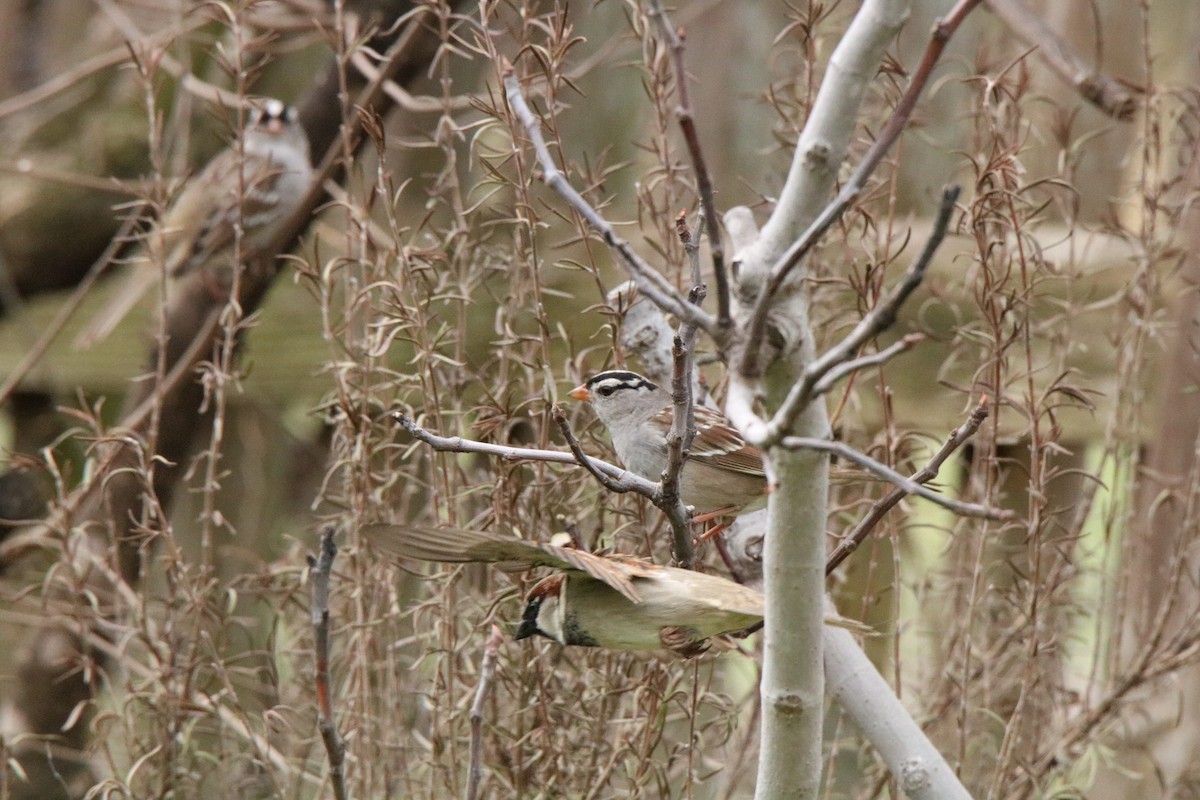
<point>618,602</point>
<point>722,474</point>
<point>257,187</point>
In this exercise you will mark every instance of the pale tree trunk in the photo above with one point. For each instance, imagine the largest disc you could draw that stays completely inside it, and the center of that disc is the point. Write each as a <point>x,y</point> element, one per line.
<point>792,687</point>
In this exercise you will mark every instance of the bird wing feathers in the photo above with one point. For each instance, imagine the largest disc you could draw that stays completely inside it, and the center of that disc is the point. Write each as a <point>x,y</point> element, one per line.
<point>203,225</point>
<point>200,224</point>
<point>718,593</point>
<point>461,546</point>
<point>719,443</point>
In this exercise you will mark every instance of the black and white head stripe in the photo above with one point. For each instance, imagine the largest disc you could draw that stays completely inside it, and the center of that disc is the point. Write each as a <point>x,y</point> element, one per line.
<point>605,383</point>
<point>272,111</point>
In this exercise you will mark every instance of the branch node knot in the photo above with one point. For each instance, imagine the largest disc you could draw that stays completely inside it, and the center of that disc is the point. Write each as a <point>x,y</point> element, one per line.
<point>914,775</point>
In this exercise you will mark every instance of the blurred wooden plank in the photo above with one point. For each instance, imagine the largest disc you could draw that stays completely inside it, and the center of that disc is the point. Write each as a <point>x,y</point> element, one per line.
<point>283,356</point>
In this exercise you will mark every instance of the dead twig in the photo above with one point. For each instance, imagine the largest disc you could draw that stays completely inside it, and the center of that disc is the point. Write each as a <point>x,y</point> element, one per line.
<point>1093,85</point>
<point>622,480</point>
<point>319,569</point>
<point>487,674</point>
<point>927,473</point>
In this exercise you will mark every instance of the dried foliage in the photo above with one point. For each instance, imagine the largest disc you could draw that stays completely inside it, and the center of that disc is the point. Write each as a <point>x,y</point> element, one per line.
<point>445,280</point>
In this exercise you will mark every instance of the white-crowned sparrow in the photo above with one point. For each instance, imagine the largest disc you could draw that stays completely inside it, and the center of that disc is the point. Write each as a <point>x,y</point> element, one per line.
<point>256,188</point>
<point>618,602</point>
<point>722,474</point>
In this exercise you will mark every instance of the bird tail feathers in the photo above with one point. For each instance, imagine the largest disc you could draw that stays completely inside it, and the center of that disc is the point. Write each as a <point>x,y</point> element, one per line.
<point>447,545</point>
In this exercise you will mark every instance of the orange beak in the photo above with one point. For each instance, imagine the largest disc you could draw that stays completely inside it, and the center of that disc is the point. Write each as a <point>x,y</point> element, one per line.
<point>580,392</point>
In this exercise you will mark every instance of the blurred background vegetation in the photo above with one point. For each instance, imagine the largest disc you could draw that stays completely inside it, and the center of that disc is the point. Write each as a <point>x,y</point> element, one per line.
<point>443,278</point>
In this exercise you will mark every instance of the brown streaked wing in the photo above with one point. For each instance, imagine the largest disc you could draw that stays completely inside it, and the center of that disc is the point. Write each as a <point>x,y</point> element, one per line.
<point>717,592</point>
<point>461,546</point>
<point>719,443</point>
<point>216,230</point>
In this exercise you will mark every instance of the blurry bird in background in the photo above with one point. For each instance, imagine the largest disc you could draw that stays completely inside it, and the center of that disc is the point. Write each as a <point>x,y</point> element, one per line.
<point>256,187</point>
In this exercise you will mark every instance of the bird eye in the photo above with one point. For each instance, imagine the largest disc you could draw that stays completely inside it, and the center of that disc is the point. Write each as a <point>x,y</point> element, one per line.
<point>607,390</point>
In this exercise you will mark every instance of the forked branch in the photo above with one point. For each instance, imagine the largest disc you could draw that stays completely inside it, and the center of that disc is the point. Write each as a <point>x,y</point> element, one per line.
<point>756,325</point>
<point>837,362</point>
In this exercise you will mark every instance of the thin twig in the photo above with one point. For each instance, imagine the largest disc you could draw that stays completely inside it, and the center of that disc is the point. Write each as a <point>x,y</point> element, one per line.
<point>487,673</point>
<point>676,512</point>
<point>583,459</point>
<point>1093,85</point>
<point>687,124</point>
<point>890,475</point>
<point>319,569</point>
<point>626,481</point>
<point>648,279</point>
<point>927,473</point>
<point>680,436</point>
<point>818,375</point>
<point>756,326</point>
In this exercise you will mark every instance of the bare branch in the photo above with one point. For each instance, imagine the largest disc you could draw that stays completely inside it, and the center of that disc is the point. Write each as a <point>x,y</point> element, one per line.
<point>679,438</point>
<point>319,569</point>
<point>847,368</point>
<point>487,674</point>
<point>656,287</point>
<point>888,474</point>
<point>584,460</point>
<point>687,124</point>
<point>927,473</point>
<point>683,424</point>
<point>1093,85</point>
<point>691,244</point>
<point>819,375</point>
<point>676,512</point>
<point>943,29</point>
<point>628,481</point>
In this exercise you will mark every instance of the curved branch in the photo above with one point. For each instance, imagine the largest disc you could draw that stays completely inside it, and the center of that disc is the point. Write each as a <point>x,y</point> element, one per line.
<point>891,476</point>
<point>656,287</point>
